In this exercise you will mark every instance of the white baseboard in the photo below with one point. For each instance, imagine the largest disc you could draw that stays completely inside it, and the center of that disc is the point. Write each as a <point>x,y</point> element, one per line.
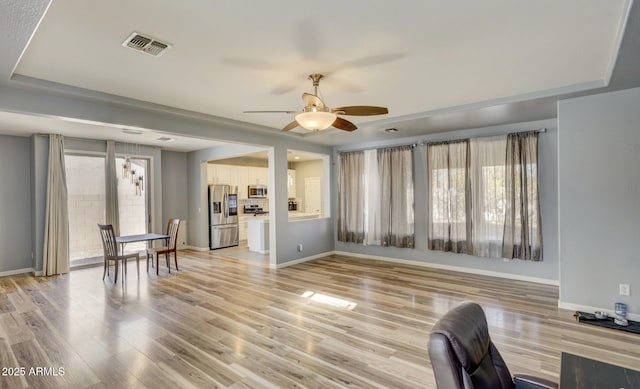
<point>489,273</point>
<point>453,268</point>
<point>586,308</point>
<point>17,271</point>
<point>301,260</point>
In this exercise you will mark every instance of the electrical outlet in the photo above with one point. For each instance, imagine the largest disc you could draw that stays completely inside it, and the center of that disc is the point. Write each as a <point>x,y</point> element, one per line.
<point>300,247</point>
<point>625,290</point>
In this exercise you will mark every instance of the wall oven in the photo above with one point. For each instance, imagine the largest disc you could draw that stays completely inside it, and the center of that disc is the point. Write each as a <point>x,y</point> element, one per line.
<point>257,191</point>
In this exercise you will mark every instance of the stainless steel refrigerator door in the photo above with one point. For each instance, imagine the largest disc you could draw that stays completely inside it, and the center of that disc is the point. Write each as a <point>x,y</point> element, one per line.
<point>231,207</point>
<point>225,235</point>
<point>223,204</point>
<point>217,207</point>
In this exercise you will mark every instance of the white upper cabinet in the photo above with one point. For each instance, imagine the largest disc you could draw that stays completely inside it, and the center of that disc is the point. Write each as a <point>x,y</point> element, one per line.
<point>242,180</point>
<point>291,183</point>
<point>240,176</point>
<point>219,174</point>
<point>258,176</point>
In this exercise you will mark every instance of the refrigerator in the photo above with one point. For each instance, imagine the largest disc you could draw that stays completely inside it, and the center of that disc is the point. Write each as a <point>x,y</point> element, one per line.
<point>223,216</point>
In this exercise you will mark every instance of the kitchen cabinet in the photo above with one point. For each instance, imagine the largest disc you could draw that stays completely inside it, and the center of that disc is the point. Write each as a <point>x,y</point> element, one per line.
<point>258,235</point>
<point>258,176</point>
<point>241,176</point>
<point>291,183</point>
<point>220,174</point>
<point>210,174</point>
<point>243,225</point>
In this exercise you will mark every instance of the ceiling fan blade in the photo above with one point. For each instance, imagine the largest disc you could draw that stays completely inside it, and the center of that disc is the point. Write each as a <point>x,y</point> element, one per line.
<point>290,126</point>
<point>344,125</point>
<point>361,110</point>
<point>285,87</point>
<point>270,112</point>
<point>312,101</point>
<point>370,60</point>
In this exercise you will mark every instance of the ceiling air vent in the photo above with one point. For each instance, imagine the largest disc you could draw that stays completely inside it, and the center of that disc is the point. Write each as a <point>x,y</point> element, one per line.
<point>145,44</point>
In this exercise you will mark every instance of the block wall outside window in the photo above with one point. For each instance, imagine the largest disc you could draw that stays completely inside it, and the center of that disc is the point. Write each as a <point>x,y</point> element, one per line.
<point>87,204</point>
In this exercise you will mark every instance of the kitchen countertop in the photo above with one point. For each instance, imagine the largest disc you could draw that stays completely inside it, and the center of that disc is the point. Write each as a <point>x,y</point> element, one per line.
<point>293,216</point>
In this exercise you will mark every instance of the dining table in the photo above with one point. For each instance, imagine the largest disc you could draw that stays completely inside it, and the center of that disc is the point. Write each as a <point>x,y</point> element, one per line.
<point>578,372</point>
<point>149,238</point>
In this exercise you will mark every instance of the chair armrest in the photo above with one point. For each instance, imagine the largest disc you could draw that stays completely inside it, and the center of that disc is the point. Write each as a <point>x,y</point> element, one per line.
<point>523,381</point>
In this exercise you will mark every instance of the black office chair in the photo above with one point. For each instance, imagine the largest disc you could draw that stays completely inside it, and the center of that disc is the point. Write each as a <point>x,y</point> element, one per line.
<point>464,357</point>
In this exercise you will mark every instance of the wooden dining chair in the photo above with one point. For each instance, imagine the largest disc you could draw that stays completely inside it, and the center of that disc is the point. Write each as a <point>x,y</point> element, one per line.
<point>172,231</point>
<point>110,247</point>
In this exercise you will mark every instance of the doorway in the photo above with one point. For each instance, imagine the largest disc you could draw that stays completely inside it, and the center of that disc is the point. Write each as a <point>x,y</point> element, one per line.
<point>134,199</point>
<point>87,204</point>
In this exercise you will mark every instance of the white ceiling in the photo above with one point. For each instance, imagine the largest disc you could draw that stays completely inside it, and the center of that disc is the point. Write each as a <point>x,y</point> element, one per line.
<point>435,64</point>
<point>21,125</point>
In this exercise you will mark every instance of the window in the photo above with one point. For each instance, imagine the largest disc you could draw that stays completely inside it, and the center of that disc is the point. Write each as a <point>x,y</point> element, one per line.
<point>375,197</point>
<point>86,205</point>
<point>483,197</point>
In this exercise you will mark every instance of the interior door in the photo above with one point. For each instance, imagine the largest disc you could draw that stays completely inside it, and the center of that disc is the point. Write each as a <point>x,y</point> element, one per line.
<point>312,195</point>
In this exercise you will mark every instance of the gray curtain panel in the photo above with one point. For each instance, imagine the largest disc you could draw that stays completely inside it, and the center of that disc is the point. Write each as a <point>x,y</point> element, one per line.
<point>375,197</point>
<point>449,196</point>
<point>351,195</point>
<point>522,229</point>
<point>55,256</point>
<point>396,208</point>
<point>111,186</point>
<point>488,155</point>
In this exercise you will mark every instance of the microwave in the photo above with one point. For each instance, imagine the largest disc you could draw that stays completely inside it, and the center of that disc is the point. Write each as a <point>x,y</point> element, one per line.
<point>257,191</point>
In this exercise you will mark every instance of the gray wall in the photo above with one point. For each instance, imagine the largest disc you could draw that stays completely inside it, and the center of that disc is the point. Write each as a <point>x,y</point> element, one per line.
<point>174,185</point>
<point>15,203</point>
<point>545,271</point>
<point>599,198</point>
<point>315,235</point>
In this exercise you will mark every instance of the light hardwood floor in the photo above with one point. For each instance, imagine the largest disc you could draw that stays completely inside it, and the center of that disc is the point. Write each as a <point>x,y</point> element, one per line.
<point>224,322</point>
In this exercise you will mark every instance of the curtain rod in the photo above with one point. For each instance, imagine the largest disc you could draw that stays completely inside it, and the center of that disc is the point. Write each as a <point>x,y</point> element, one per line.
<point>425,142</point>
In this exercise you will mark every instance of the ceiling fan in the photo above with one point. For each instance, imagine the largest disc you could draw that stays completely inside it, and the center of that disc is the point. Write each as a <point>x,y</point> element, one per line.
<point>317,116</point>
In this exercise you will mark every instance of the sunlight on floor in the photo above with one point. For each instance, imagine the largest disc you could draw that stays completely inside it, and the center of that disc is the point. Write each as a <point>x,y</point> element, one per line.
<point>329,300</point>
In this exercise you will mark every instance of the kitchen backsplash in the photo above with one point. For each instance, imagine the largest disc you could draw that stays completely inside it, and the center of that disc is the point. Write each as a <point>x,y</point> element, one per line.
<point>262,203</point>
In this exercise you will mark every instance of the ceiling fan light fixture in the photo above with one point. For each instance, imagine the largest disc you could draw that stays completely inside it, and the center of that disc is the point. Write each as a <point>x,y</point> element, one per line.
<point>316,116</point>
<point>316,120</point>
